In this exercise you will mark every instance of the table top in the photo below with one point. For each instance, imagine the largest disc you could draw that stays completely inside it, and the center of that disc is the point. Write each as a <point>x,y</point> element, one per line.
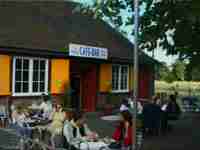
<point>111,118</point>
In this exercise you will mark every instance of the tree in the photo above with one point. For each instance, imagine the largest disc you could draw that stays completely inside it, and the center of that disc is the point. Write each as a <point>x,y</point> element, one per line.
<point>195,74</point>
<point>176,73</point>
<point>173,25</point>
<point>193,70</point>
<point>178,70</point>
<point>165,74</point>
<point>163,71</point>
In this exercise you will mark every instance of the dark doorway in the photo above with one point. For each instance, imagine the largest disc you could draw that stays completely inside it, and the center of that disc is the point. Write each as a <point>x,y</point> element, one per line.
<point>83,77</point>
<point>75,97</point>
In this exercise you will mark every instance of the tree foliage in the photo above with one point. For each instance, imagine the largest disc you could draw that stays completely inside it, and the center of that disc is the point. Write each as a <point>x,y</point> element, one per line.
<point>165,74</point>
<point>176,72</point>
<point>193,70</point>
<point>173,25</point>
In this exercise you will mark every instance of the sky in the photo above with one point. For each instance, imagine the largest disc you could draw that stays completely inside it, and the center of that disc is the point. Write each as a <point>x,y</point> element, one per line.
<point>158,53</point>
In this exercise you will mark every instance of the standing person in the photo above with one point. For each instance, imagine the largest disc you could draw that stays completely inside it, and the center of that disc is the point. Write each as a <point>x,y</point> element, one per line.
<point>158,101</point>
<point>123,133</point>
<point>124,105</point>
<point>131,104</point>
<point>152,117</point>
<point>164,119</point>
<point>173,110</point>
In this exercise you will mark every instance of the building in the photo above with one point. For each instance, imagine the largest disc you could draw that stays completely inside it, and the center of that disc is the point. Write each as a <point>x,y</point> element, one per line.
<point>46,45</point>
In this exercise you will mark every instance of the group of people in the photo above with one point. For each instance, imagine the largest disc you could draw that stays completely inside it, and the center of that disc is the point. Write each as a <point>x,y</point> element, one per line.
<point>70,125</point>
<point>75,130</point>
<point>21,115</point>
<point>154,115</point>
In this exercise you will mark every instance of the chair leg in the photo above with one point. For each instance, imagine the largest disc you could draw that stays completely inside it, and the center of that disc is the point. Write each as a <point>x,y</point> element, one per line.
<point>52,141</point>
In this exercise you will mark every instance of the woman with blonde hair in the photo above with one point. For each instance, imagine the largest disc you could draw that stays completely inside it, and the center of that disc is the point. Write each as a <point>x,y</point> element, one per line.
<point>57,117</point>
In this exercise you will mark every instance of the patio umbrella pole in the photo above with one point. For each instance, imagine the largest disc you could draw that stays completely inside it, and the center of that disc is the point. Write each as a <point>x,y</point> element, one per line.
<point>135,81</point>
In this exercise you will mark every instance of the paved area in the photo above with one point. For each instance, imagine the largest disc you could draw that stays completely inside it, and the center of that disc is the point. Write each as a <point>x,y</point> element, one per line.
<point>8,139</point>
<point>184,136</point>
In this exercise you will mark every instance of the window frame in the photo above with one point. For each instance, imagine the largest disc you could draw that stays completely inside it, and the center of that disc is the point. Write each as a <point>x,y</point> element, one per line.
<point>30,74</point>
<point>119,90</point>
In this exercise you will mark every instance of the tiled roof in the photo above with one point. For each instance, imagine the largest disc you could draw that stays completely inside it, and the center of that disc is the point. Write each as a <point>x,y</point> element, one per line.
<point>51,26</point>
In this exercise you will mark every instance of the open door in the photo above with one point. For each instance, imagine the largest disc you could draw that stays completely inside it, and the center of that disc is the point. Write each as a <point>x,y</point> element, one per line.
<point>89,88</point>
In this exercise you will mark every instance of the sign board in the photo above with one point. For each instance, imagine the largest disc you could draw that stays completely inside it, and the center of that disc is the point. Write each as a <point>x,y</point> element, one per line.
<point>88,51</point>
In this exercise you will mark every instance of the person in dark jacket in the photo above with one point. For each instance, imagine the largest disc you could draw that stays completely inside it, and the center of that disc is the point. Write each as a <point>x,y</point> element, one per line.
<point>173,110</point>
<point>152,117</point>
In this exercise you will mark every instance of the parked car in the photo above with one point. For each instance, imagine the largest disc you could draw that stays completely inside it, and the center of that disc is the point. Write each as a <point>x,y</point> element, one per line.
<point>190,104</point>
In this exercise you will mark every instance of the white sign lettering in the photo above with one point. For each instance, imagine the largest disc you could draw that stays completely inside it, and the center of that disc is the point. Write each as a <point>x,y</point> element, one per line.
<point>87,51</point>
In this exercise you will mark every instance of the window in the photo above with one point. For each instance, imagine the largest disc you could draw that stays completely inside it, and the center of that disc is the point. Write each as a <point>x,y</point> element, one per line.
<point>120,78</point>
<point>30,76</point>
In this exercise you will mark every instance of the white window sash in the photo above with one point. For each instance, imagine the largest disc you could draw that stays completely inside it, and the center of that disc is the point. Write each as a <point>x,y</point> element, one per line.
<point>30,76</point>
<point>127,79</point>
<point>46,76</point>
<point>30,87</point>
<point>120,90</point>
<point>13,77</point>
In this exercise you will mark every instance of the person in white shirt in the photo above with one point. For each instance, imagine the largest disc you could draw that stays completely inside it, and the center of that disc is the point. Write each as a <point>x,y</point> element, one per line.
<point>79,136</point>
<point>128,104</point>
<point>45,106</point>
<point>68,128</point>
<point>125,105</point>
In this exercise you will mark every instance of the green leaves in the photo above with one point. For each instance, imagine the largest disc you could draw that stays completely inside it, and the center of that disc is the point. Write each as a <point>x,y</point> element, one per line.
<point>158,18</point>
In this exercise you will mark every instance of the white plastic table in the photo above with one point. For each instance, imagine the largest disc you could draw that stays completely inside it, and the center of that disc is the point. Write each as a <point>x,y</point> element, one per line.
<point>111,118</point>
<point>92,145</point>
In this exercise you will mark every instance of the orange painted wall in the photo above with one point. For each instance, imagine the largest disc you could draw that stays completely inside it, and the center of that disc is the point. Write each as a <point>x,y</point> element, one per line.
<point>105,78</point>
<point>60,75</point>
<point>5,77</point>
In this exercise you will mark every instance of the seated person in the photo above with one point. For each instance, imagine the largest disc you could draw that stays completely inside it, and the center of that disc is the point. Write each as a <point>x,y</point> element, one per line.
<point>45,106</point>
<point>57,117</point>
<point>68,128</point>
<point>80,128</point>
<point>19,118</point>
<point>79,136</point>
<point>123,133</point>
